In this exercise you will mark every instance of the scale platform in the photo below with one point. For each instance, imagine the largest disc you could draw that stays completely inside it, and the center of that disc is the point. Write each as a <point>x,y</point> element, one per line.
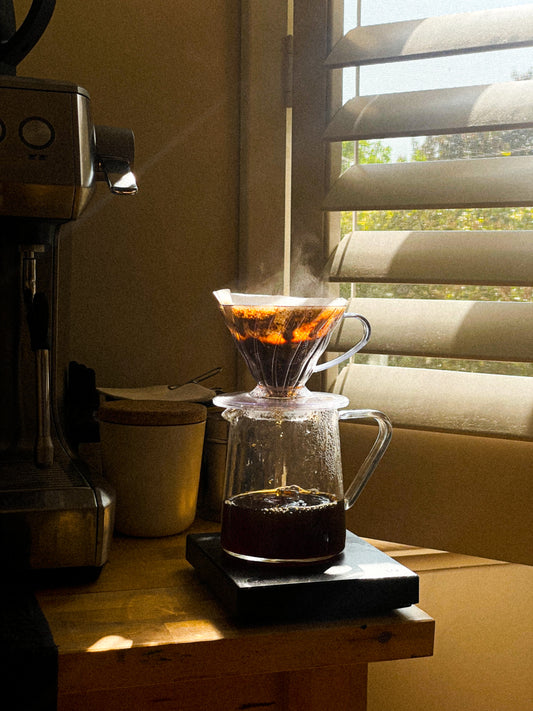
<point>362,580</point>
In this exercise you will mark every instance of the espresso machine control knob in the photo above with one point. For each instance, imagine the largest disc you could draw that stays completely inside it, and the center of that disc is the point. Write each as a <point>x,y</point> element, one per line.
<point>36,132</point>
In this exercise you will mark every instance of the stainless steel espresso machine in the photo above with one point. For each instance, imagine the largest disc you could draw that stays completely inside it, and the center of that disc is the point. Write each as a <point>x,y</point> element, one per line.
<point>54,513</point>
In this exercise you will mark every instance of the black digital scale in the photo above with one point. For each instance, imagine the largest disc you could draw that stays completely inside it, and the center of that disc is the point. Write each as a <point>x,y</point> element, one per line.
<point>362,580</point>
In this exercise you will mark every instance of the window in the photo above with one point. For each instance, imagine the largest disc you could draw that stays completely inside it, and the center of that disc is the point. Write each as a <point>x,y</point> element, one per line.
<point>458,472</point>
<point>487,227</point>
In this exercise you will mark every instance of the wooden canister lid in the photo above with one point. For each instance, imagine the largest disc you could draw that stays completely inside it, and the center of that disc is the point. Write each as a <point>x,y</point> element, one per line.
<point>154,413</point>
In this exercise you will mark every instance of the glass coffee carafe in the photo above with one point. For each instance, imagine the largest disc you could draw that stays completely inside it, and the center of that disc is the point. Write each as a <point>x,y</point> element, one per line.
<point>284,500</point>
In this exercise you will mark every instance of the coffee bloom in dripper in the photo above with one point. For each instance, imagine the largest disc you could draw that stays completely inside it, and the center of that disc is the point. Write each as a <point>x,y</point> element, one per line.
<point>281,338</point>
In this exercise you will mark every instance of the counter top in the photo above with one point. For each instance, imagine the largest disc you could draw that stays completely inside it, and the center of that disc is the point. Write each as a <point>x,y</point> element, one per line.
<point>149,630</point>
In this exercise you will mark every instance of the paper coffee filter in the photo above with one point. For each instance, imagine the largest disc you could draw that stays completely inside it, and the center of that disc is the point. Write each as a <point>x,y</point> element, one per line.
<point>225,297</point>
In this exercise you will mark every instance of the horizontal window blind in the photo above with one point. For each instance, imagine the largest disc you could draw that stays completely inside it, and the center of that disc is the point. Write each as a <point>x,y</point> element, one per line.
<point>483,330</point>
<point>496,257</point>
<point>444,401</point>
<point>453,430</point>
<point>435,111</point>
<point>481,182</point>
<point>500,28</point>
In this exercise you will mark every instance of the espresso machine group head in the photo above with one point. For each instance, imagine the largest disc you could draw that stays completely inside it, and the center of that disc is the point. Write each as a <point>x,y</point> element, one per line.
<point>54,513</point>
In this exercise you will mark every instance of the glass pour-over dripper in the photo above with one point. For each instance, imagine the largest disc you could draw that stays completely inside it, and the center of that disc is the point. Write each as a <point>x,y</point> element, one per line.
<point>281,338</point>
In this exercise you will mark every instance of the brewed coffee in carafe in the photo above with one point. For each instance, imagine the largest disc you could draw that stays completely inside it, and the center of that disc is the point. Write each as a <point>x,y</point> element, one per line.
<point>284,501</point>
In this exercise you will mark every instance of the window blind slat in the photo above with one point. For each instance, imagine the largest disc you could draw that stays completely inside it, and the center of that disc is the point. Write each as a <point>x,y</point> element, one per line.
<point>439,111</point>
<point>466,403</point>
<point>479,182</point>
<point>478,330</point>
<point>435,36</point>
<point>491,257</point>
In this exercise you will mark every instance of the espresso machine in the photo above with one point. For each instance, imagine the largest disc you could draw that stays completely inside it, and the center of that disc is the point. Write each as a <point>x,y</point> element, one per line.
<point>54,512</point>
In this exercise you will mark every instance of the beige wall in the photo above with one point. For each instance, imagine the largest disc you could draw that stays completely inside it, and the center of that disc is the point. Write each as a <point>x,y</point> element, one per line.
<point>483,657</point>
<point>137,272</point>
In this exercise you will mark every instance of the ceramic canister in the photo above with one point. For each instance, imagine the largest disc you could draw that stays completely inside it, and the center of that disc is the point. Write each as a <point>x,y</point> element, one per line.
<point>152,454</point>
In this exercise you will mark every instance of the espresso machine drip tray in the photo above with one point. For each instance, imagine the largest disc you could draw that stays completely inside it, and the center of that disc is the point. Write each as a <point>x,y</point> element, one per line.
<point>24,476</point>
<point>52,518</point>
<point>360,581</point>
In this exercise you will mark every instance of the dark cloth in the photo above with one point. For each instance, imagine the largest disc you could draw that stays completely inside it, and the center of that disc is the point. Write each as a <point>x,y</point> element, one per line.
<point>28,653</point>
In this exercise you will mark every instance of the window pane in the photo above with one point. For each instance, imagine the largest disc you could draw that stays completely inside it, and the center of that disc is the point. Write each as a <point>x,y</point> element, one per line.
<point>374,12</point>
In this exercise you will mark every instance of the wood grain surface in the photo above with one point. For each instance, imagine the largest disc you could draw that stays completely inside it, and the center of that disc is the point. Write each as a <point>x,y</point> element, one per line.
<point>148,634</point>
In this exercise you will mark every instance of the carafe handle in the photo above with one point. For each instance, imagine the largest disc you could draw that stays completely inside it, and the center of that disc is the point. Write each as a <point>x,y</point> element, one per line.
<point>374,456</point>
<point>360,344</point>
